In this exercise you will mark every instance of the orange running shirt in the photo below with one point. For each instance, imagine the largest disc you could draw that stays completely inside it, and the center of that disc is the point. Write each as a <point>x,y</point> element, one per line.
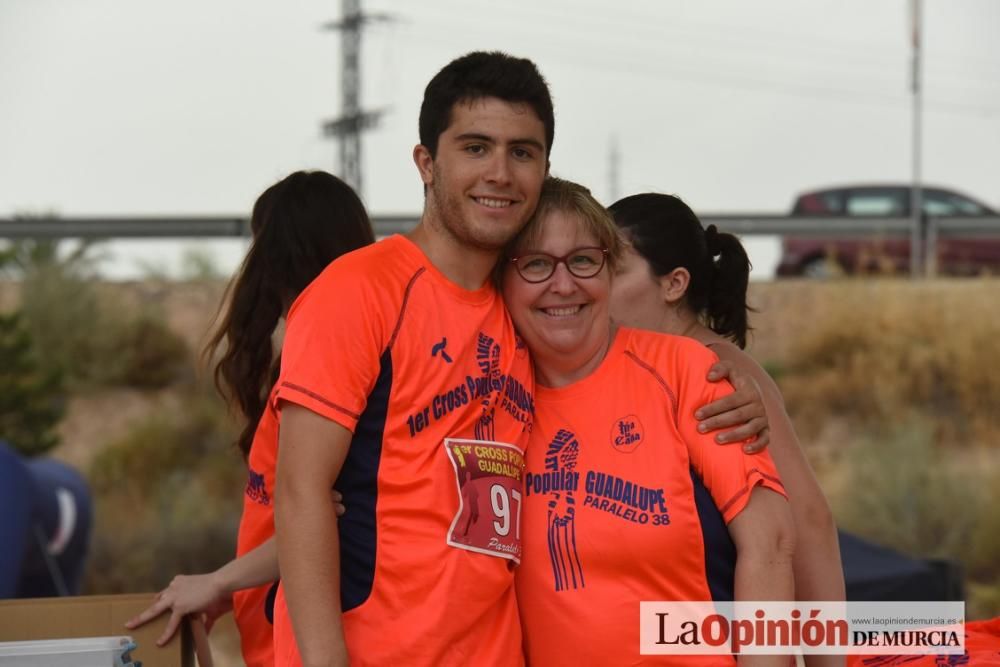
<point>437,391</point>
<point>625,501</point>
<point>257,527</point>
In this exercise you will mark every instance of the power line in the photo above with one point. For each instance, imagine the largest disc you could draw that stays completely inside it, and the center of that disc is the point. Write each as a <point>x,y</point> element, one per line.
<point>603,25</point>
<point>736,79</point>
<point>658,40</point>
<point>630,60</point>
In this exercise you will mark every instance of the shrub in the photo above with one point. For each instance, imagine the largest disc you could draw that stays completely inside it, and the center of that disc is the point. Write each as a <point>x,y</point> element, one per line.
<point>142,352</point>
<point>31,398</point>
<point>59,306</point>
<point>900,489</point>
<point>88,339</point>
<point>168,498</point>
<point>879,348</point>
<point>914,497</point>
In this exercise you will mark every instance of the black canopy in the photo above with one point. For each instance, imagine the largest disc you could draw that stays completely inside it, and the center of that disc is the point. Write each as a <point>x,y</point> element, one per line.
<point>874,573</point>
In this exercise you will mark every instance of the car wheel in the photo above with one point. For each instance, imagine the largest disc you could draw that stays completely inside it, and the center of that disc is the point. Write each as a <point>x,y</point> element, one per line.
<point>822,268</point>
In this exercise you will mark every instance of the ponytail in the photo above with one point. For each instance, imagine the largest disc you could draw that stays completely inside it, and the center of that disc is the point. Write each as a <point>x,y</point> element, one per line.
<point>728,274</point>
<point>668,235</point>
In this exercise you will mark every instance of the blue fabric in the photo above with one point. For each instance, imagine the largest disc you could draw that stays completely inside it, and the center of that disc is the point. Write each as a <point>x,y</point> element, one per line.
<point>30,518</point>
<point>720,551</point>
<point>17,498</point>
<point>358,482</point>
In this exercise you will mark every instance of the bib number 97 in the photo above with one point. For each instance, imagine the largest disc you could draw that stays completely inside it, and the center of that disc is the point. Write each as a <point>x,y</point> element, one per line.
<point>488,478</point>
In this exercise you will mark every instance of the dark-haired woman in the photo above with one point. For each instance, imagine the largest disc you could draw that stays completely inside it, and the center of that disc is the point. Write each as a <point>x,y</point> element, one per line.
<point>299,225</point>
<point>679,278</point>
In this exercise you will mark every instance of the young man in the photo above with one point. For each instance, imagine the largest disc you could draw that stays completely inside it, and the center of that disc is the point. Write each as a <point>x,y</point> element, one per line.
<point>403,383</point>
<point>393,354</point>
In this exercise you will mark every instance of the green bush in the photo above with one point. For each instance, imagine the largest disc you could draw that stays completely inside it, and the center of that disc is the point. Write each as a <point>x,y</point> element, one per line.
<point>60,307</point>
<point>168,498</point>
<point>31,398</point>
<point>84,337</point>
<point>142,352</point>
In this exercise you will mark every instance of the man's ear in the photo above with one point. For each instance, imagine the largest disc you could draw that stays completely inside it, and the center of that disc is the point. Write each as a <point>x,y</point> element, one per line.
<point>425,163</point>
<point>674,285</point>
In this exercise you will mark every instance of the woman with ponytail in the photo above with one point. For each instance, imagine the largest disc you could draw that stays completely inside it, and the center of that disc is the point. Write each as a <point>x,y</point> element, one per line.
<point>679,278</point>
<point>299,225</point>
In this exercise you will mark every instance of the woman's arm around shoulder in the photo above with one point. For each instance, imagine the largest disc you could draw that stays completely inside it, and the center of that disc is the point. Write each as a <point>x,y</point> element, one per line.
<point>816,563</point>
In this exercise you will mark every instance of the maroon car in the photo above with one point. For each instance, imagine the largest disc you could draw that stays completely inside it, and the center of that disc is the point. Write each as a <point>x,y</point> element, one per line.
<point>837,254</point>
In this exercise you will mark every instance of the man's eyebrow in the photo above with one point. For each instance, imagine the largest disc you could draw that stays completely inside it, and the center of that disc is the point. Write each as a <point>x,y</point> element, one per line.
<point>472,136</point>
<point>485,138</point>
<point>535,143</point>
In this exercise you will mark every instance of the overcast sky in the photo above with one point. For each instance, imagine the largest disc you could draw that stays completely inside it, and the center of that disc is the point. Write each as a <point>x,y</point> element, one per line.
<point>189,107</point>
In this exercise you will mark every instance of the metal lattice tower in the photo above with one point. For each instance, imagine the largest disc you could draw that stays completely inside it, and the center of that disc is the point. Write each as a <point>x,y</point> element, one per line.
<point>347,128</point>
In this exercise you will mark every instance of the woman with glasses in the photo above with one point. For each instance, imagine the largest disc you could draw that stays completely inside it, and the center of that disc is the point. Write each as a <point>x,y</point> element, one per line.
<point>624,499</point>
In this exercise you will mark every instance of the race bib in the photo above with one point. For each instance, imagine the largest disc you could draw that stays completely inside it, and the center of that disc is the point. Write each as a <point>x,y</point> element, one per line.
<point>488,475</point>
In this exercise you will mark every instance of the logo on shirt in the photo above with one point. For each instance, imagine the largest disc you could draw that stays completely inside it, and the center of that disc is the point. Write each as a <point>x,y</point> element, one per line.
<point>439,347</point>
<point>256,488</point>
<point>625,499</point>
<point>495,392</point>
<point>626,434</point>
<point>560,463</point>
<point>488,360</point>
<point>574,492</point>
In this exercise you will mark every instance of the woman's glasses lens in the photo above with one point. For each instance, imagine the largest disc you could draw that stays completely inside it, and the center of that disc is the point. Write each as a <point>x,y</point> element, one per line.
<point>582,263</point>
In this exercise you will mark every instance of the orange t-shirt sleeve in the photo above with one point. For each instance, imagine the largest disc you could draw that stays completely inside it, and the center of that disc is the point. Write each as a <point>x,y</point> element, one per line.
<point>727,471</point>
<point>333,344</point>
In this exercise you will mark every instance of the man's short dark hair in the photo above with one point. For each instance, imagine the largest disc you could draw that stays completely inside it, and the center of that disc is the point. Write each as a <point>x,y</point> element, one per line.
<point>483,74</point>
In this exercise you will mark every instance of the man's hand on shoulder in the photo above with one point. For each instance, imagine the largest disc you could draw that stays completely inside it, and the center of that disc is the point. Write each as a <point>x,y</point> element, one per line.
<point>739,417</point>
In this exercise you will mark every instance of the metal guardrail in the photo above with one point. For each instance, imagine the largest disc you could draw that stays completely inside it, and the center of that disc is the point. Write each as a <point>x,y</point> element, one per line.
<point>839,227</point>
<point>750,224</point>
<point>124,227</point>
<point>233,226</point>
<point>154,227</point>
<point>826,226</point>
<point>958,227</point>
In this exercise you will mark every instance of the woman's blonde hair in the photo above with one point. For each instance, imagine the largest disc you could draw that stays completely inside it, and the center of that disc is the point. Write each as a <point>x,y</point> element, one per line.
<point>569,197</point>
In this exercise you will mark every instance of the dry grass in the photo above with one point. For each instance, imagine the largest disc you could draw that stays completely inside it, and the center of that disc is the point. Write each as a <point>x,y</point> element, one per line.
<point>872,351</point>
<point>898,488</point>
<point>894,389</point>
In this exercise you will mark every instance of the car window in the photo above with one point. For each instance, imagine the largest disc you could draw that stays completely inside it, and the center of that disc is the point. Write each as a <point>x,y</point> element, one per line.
<point>936,202</point>
<point>876,202</point>
<point>831,201</point>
